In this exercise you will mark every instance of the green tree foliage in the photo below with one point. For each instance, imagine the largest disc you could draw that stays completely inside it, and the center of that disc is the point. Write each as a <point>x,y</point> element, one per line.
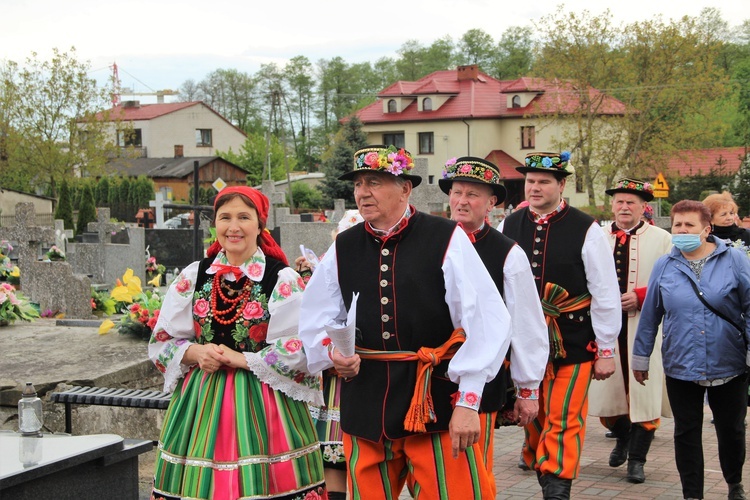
<point>514,54</point>
<point>476,46</point>
<point>254,156</point>
<point>742,188</point>
<point>306,197</point>
<point>349,139</point>
<point>143,192</point>
<point>665,73</point>
<point>87,212</point>
<point>48,120</point>
<point>123,197</point>
<point>64,208</point>
<point>102,192</point>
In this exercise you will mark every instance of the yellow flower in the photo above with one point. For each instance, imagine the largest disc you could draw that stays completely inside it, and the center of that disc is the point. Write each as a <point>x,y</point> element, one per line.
<point>106,326</point>
<point>16,272</point>
<point>130,289</point>
<point>156,281</point>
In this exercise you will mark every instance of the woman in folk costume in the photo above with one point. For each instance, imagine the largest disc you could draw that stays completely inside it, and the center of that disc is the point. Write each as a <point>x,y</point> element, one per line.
<point>238,425</point>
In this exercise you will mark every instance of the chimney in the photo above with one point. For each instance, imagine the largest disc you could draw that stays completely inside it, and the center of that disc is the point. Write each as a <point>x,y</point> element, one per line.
<point>469,72</point>
<point>131,104</point>
<point>178,151</point>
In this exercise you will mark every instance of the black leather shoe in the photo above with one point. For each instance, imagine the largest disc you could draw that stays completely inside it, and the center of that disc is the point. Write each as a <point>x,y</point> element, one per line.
<point>635,472</point>
<point>619,453</point>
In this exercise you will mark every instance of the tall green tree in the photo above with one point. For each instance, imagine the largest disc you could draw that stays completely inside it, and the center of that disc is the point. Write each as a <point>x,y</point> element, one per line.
<point>741,189</point>
<point>102,192</point>
<point>664,73</point>
<point>255,155</point>
<point>514,54</point>
<point>341,159</point>
<point>476,46</point>
<point>87,212</point>
<point>64,208</point>
<point>50,109</point>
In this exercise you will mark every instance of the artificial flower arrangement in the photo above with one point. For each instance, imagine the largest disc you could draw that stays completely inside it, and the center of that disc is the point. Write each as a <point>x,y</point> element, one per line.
<point>141,308</point>
<point>152,268</point>
<point>14,277</point>
<point>6,266</point>
<point>102,303</point>
<point>390,159</point>
<point>14,306</point>
<point>55,253</point>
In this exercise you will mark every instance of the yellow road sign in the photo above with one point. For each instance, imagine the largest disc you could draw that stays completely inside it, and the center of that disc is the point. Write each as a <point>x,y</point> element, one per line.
<point>661,188</point>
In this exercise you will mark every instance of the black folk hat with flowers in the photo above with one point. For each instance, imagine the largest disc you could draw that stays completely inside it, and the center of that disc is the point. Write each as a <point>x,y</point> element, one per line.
<point>472,169</point>
<point>552,163</point>
<point>389,160</point>
<point>643,189</point>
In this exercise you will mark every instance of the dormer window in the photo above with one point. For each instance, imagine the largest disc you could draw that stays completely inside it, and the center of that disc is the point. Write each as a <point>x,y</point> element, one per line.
<point>516,101</point>
<point>426,104</point>
<point>392,106</point>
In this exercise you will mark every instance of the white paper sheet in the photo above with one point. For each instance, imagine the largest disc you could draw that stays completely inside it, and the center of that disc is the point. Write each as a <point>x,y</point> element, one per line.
<point>342,336</point>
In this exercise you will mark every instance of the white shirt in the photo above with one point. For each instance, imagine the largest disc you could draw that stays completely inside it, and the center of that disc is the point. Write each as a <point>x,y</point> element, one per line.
<point>472,299</point>
<point>529,345</point>
<point>601,281</point>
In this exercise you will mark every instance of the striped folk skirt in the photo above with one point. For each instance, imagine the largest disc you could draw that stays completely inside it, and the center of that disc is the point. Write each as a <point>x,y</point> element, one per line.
<point>327,422</point>
<point>227,435</point>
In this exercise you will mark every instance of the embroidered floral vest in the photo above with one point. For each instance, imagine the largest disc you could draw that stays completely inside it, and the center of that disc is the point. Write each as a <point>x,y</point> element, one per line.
<point>248,332</point>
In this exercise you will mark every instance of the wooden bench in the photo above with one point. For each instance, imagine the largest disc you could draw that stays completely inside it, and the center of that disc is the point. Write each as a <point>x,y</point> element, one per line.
<point>104,396</point>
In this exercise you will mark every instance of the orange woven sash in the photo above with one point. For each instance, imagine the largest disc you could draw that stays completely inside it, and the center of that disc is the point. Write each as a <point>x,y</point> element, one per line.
<point>421,410</point>
<point>555,302</point>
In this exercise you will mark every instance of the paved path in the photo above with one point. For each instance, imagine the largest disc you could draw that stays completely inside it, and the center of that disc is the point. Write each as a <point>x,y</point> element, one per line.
<point>598,480</point>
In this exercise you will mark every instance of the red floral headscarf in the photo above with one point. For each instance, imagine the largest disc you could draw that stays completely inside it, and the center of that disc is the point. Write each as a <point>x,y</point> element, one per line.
<point>261,205</point>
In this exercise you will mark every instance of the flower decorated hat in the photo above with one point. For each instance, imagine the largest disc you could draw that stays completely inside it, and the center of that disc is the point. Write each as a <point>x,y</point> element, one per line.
<point>553,163</point>
<point>643,189</point>
<point>472,169</point>
<point>389,160</point>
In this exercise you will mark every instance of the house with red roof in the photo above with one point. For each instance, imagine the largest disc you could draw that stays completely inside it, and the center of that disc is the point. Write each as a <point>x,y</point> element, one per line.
<point>464,112</point>
<point>163,141</point>
<point>158,129</point>
<point>721,161</point>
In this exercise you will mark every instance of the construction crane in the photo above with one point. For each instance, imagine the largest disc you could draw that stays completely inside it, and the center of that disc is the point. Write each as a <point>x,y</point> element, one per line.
<point>118,91</point>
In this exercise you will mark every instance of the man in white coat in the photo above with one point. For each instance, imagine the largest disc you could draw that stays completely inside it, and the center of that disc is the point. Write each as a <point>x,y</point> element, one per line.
<point>630,410</point>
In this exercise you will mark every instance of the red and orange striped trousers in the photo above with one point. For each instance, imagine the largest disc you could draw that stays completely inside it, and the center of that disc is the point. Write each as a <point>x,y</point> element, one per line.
<point>379,471</point>
<point>554,440</point>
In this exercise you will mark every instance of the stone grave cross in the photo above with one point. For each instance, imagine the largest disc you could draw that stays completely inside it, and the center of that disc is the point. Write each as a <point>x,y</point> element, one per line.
<point>103,227</point>
<point>27,235</point>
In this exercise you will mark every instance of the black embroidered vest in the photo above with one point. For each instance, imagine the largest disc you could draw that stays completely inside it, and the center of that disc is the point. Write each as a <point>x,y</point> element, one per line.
<point>401,306</point>
<point>554,251</point>
<point>238,335</point>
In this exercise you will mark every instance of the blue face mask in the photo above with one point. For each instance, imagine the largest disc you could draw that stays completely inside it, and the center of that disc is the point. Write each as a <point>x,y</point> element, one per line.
<point>686,242</point>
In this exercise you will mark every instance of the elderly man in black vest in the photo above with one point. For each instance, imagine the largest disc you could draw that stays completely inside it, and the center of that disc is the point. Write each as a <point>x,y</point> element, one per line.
<point>575,277</point>
<point>432,330</point>
<point>473,186</point>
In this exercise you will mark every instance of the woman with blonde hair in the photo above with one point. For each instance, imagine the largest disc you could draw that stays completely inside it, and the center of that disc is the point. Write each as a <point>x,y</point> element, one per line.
<point>724,220</point>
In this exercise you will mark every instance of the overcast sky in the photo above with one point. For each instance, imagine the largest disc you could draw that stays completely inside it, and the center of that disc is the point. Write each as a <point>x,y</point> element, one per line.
<point>158,44</point>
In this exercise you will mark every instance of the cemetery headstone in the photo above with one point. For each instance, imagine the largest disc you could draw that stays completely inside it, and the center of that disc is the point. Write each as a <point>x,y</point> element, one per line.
<point>27,236</point>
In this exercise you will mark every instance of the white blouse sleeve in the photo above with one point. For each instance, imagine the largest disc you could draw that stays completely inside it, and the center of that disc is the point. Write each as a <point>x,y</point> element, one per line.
<point>174,331</point>
<point>283,364</point>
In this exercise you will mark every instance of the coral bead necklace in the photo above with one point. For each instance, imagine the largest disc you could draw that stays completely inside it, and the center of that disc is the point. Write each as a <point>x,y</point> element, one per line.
<point>235,305</point>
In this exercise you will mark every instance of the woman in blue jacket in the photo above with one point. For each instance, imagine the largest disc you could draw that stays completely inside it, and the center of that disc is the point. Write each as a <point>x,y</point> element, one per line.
<point>703,350</point>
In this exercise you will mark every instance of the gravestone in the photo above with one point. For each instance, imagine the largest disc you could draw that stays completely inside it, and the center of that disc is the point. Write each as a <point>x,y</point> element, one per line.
<point>105,261</point>
<point>55,287</point>
<point>62,235</point>
<point>27,236</point>
<point>426,198</point>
